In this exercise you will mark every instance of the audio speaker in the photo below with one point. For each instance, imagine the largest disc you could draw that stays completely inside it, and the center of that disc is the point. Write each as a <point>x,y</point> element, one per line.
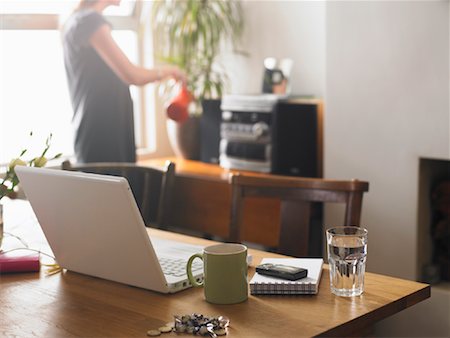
<point>296,143</point>
<point>210,131</point>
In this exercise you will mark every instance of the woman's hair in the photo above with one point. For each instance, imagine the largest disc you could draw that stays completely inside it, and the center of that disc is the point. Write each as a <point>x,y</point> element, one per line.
<point>85,4</point>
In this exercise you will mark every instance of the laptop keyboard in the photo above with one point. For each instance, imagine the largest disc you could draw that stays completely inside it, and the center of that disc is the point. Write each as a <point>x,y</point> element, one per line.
<point>177,267</point>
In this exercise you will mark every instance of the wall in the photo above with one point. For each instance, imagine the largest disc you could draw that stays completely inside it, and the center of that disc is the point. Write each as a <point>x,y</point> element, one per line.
<point>294,29</point>
<point>387,102</point>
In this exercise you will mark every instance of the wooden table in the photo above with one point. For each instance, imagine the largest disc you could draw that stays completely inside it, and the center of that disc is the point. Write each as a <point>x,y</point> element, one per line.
<point>71,304</point>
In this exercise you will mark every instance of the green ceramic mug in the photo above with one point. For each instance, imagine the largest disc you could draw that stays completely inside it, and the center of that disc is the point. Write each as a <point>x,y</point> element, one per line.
<point>225,273</point>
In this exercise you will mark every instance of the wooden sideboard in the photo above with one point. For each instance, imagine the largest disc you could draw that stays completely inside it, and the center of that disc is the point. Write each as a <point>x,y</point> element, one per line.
<point>201,202</point>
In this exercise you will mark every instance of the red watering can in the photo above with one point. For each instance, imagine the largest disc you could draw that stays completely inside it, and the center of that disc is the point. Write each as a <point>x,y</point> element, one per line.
<point>177,110</point>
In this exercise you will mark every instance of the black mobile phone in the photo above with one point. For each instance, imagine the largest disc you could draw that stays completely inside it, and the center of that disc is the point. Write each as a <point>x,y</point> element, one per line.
<point>282,271</point>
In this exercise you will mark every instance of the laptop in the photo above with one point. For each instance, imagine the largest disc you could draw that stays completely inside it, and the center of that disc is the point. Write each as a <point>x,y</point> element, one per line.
<point>94,227</point>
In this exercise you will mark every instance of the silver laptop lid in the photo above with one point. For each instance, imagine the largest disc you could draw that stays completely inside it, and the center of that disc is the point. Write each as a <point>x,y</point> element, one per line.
<point>93,225</point>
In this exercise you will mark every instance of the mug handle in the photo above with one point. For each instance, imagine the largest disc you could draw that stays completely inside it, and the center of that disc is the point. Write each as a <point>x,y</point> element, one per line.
<point>189,270</point>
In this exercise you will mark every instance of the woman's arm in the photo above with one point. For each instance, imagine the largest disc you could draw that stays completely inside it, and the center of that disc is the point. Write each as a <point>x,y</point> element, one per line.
<point>128,72</point>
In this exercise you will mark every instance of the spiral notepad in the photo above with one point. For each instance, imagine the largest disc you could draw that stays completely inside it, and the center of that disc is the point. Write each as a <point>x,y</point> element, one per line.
<point>266,285</point>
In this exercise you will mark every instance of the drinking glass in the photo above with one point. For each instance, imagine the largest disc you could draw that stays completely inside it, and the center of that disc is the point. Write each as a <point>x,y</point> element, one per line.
<point>347,251</point>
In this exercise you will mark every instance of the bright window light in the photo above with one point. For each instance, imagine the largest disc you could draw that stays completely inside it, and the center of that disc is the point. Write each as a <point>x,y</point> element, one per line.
<point>33,86</point>
<point>127,40</point>
<point>57,7</point>
<point>34,94</point>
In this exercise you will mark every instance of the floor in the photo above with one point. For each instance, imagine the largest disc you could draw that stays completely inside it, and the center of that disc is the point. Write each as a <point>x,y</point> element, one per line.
<point>430,318</point>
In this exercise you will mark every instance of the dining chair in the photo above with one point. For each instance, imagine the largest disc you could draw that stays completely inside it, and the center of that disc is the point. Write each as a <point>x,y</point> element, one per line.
<point>151,185</point>
<point>297,196</point>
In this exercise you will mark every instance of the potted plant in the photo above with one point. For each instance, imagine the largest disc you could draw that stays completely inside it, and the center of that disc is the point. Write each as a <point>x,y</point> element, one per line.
<point>191,34</point>
<point>9,181</point>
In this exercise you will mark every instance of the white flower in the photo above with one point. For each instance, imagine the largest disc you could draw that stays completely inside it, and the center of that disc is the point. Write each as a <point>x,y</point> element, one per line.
<point>40,161</point>
<point>15,162</point>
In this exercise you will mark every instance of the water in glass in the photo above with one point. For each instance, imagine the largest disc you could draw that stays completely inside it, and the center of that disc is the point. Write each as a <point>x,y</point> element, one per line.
<point>347,260</point>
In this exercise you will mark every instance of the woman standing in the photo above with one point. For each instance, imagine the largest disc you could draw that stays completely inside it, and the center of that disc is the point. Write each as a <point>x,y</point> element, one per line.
<point>99,75</point>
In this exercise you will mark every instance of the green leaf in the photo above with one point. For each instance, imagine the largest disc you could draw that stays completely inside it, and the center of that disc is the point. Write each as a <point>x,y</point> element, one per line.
<point>190,34</point>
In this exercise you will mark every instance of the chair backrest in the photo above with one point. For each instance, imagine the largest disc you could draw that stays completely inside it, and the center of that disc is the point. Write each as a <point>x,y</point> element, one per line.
<point>151,185</point>
<point>297,195</point>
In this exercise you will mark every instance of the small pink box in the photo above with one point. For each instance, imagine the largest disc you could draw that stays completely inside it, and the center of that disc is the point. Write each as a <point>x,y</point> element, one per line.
<point>14,263</point>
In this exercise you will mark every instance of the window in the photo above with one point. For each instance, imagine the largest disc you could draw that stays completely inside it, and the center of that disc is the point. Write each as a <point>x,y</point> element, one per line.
<point>126,7</point>
<point>33,86</point>
<point>33,93</point>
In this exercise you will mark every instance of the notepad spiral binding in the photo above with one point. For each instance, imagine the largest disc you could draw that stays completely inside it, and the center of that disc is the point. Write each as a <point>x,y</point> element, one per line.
<point>282,288</point>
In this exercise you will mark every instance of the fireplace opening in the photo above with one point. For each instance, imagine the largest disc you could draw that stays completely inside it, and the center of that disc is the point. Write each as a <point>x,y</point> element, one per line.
<point>434,220</point>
